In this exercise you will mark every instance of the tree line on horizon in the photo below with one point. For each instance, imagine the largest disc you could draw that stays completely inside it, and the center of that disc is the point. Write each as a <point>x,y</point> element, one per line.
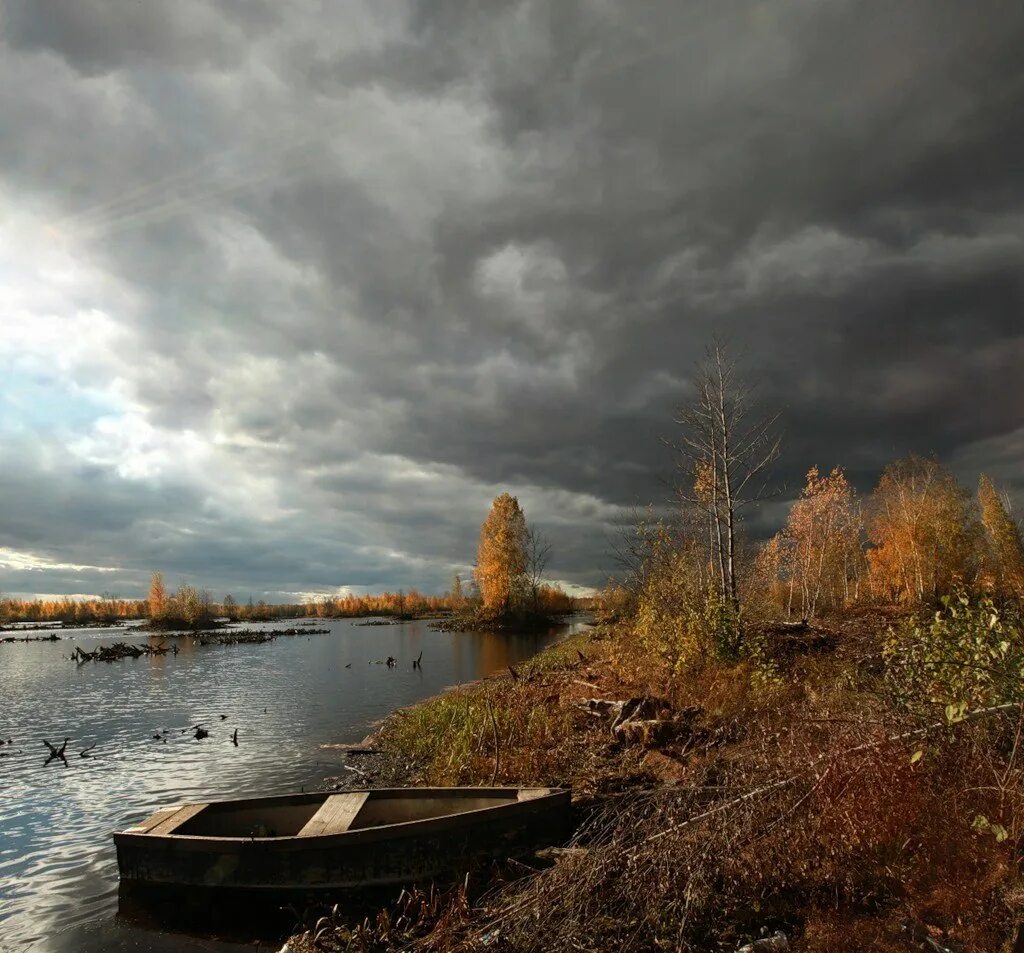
<point>507,582</point>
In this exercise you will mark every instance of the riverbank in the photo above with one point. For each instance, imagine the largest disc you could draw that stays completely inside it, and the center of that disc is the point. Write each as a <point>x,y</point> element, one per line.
<point>479,621</point>
<point>392,757</point>
<point>791,795</point>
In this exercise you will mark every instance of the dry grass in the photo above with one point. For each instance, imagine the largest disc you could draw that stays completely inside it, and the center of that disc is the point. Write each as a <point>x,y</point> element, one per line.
<point>521,729</point>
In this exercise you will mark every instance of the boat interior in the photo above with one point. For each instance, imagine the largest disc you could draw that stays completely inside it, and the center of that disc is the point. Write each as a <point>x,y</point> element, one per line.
<point>315,815</point>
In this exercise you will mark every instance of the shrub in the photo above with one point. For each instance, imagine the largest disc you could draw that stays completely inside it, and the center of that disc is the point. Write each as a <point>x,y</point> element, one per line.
<point>681,616</point>
<point>614,603</point>
<point>970,653</point>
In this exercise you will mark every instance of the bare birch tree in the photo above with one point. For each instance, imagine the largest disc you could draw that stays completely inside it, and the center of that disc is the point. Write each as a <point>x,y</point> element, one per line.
<point>725,458</point>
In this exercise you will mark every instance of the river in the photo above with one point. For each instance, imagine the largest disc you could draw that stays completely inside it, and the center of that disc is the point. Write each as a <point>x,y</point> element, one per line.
<point>58,870</point>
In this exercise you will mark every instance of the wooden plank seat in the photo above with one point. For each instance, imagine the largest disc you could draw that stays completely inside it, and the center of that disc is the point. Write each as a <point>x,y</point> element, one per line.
<point>530,794</point>
<point>335,814</point>
<point>168,819</point>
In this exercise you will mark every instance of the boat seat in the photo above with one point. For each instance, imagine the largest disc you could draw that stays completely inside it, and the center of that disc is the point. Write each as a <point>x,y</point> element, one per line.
<point>528,794</point>
<point>335,814</point>
<point>168,820</point>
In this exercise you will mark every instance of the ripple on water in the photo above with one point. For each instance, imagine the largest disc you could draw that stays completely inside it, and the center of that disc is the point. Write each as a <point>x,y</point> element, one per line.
<point>58,870</point>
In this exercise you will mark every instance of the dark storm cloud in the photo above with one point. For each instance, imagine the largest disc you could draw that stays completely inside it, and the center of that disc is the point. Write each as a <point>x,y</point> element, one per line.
<point>96,36</point>
<point>373,264</point>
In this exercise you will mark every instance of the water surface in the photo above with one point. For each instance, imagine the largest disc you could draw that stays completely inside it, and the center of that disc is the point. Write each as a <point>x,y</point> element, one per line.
<point>58,870</point>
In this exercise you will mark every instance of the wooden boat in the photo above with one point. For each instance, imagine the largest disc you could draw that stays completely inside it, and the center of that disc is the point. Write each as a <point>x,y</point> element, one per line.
<point>351,840</point>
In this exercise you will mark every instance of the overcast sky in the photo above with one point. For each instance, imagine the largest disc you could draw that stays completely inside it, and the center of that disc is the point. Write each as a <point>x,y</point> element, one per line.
<point>289,290</point>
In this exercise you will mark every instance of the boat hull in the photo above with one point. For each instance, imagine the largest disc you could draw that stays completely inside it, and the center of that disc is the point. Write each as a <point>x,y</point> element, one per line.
<point>416,851</point>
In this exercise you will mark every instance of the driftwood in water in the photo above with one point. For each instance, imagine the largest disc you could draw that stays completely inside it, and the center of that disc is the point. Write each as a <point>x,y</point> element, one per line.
<point>56,752</point>
<point>116,652</point>
<point>34,627</point>
<point>122,650</point>
<point>255,636</point>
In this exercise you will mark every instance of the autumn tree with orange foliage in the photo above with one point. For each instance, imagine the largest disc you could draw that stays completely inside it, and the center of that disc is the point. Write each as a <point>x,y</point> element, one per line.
<point>819,549</point>
<point>1004,555</point>
<point>923,531</point>
<point>502,556</point>
<point>71,611</point>
<point>157,600</point>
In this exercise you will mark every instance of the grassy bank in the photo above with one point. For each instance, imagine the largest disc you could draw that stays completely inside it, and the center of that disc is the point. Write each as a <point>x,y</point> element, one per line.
<point>802,792</point>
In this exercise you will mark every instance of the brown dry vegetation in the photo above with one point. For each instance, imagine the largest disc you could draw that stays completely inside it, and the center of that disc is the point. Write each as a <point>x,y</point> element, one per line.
<point>740,800</point>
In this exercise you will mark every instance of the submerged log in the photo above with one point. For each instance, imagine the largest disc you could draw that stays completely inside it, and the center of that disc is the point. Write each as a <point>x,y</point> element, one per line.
<point>116,652</point>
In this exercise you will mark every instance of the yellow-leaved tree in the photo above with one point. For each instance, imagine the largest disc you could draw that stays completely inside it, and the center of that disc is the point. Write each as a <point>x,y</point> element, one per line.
<point>823,537</point>
<point>157,596</point>
<point>502,558</point>
<point>923,531</point>
<point>1005,549</point>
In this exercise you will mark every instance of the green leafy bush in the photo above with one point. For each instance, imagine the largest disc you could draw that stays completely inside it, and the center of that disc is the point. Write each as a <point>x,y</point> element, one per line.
<point>971,653</point>
<point>681,615</point>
